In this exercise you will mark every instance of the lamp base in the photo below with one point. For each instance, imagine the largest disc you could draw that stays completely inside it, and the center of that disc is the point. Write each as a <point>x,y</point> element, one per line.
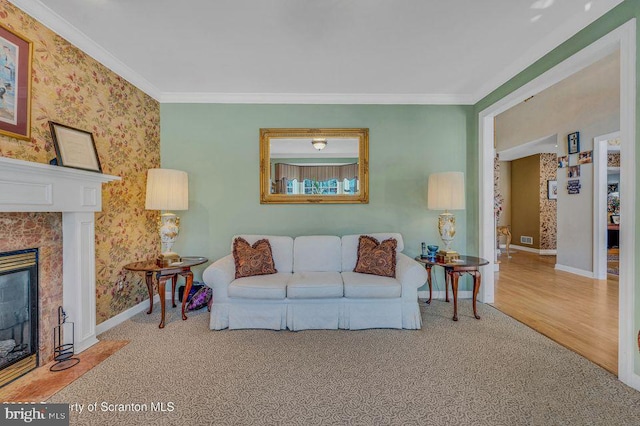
<point>168,259</point>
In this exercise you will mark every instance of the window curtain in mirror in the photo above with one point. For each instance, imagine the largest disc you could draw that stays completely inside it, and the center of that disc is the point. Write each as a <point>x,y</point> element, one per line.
<point>315,173</point>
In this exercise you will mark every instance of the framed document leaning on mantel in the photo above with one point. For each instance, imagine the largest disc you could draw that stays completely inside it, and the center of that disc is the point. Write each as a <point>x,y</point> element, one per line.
<point>75,148</point>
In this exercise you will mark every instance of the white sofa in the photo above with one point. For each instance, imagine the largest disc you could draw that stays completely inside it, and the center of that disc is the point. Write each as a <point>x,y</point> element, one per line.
<point>315,288</point>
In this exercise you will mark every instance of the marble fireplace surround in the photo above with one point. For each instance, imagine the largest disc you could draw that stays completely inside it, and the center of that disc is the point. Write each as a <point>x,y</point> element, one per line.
<point>35,187</point>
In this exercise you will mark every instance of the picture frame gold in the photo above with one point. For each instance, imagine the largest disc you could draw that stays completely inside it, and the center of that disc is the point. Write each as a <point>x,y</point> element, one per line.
<point>16,54</point>
<point>357,137</point>
<point>75,148</point>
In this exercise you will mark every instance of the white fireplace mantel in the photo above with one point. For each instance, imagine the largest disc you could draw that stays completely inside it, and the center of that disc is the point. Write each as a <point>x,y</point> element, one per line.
<point>35,187</point>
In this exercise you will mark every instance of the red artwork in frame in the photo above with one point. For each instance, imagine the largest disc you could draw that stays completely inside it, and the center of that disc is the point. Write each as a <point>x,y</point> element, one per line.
<point>15,84</point>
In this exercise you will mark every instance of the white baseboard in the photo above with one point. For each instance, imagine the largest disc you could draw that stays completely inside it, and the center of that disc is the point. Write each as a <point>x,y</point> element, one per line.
<point>581,272</point>
<point>129,313</point>
<point>632,381</point>
<point>439,294</point>
<point>541,252</point>
<point>635,381</point>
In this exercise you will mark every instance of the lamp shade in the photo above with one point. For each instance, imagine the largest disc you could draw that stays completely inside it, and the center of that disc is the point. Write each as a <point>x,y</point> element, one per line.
<point>446,191</point>
<point>167,189</point>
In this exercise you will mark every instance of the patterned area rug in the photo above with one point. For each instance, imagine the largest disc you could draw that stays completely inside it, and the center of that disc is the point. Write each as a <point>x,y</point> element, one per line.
<point>493,371</point>
<point>613,264</point>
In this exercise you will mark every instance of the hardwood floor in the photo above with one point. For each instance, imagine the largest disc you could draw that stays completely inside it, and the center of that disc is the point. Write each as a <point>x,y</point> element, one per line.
<point>577,312</point>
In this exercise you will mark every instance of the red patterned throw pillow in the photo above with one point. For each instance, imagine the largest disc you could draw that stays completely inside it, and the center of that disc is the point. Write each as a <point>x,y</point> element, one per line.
<point>376,258</point>
<point>253,260</point>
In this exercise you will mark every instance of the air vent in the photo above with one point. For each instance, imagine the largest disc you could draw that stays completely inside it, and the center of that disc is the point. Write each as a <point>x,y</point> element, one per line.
<point>526,240</point>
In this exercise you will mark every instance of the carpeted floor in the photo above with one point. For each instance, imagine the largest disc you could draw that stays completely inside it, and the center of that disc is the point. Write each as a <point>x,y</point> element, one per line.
<point>494,371</point>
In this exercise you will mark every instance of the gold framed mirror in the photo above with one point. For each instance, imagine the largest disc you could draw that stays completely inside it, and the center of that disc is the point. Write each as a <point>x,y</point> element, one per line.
<point>300,166</point>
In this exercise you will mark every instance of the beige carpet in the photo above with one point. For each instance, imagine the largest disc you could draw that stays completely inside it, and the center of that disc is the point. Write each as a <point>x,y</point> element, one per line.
<point>494,371</point>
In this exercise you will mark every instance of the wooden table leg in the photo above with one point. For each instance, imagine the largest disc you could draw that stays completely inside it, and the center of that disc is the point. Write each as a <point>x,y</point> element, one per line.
<point>447,280</point>
<point>428,267</point>
<point>174,280</point>
<point>188,275</point>
<point>454,289</point>
<point>149,281</point>
<point>477,278</point>
<point>162,280</point>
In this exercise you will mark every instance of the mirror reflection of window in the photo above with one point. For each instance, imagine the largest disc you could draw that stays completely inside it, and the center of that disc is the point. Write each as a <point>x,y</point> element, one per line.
<point>329,187</point>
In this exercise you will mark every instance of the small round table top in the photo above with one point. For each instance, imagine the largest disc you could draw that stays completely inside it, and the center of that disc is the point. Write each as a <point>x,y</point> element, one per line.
<point>151,265</point>
<point>464,261</point>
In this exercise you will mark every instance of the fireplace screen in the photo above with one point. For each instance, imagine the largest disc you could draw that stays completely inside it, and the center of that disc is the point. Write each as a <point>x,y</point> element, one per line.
<point>18,313</point>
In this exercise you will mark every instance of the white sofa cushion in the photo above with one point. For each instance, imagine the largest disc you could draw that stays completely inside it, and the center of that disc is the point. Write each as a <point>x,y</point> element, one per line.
<point>273,286</point>
<point>317,253</point>
<point>281,248</point>
<point>367,286</point>
<point>315,285</point>
<point>350,247</point>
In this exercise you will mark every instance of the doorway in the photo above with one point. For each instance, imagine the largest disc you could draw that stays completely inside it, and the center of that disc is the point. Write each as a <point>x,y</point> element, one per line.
<point>622,38</point>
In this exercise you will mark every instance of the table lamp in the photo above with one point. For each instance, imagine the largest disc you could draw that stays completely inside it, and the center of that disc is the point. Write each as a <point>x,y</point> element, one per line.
<point>446,192</point>
<point>167,189</point>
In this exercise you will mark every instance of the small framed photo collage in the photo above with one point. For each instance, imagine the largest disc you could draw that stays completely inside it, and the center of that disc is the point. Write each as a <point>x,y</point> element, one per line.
<point>573,161</point>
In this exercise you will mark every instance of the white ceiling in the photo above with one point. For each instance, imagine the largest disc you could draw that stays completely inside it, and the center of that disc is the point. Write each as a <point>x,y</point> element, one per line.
<point>302,148</point>
<point>317,51</point>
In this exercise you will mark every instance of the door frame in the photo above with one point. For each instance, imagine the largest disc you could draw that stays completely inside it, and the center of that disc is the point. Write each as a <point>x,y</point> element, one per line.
<point>624,39</point>
<point>600,177</point>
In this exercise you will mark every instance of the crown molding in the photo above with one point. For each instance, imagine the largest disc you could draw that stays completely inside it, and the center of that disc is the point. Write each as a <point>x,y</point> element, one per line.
<point>316,98</point>
<point>53,21</point>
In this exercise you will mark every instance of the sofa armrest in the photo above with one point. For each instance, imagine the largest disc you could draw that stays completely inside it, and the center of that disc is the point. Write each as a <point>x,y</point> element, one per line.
<point>411,274</point>
<point>219,275</point>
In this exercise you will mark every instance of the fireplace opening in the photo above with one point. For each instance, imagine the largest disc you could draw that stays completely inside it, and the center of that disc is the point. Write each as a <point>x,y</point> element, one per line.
<point>18,313</point>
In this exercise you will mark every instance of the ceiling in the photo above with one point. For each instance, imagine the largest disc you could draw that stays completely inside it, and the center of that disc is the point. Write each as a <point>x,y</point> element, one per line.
<point>303,148</point>
<point>587,96</point>
<point>317,51</point>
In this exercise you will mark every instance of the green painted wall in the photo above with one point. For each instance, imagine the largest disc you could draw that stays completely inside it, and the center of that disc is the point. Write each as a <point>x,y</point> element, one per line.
<point>218,145</point>
<point>627,10</point>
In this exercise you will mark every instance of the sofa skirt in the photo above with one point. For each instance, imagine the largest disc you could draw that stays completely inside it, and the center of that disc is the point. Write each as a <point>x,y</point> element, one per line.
<point>315,314</point>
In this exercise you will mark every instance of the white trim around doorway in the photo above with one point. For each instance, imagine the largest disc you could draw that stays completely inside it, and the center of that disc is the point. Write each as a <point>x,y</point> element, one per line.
<point>600,151</point>
<point>624,39</point>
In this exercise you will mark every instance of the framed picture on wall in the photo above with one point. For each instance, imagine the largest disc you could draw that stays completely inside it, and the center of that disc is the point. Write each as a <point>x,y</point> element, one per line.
<point>573,172</point>
<point>552,189</point>
<point>15,84</point>
<point>585,157</point>
<point>563,161</point>
<point>573,141</point>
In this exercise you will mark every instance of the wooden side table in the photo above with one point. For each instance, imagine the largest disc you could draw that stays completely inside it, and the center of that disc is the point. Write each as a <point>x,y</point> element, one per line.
<point>162,274</point>
<point>452,272</point>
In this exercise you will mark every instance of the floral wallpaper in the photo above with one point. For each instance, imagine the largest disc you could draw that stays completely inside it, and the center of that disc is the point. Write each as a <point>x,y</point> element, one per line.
<point>613,159</point>
<point>548,208</point>
<point>71,88</point>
